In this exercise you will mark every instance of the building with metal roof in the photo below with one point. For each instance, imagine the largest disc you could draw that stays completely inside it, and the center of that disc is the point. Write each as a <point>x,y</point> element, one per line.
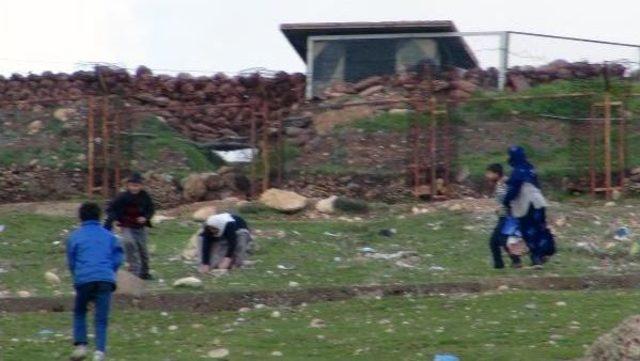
<point>350,52</point>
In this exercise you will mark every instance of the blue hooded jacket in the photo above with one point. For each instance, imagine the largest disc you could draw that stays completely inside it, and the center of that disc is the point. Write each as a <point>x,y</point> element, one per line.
<point>522,172</point>
<point>93,254</point>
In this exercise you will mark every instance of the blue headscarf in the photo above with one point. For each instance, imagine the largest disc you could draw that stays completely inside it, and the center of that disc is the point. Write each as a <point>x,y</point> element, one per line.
<point>522,172</point>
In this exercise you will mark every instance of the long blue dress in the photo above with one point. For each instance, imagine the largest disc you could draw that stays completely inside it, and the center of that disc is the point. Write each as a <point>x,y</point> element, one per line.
<point>533,225</point>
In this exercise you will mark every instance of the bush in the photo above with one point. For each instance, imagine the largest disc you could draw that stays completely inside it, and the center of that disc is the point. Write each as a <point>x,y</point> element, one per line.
<point>349,205</point>
<point>253,208</point>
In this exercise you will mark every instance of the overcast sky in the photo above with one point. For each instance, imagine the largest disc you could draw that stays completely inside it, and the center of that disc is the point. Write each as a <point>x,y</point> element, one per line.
<point>220,35</point>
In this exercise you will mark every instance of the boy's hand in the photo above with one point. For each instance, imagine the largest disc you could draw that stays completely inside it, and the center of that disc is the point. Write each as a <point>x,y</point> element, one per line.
<point>142,220</point>
<point>204,268</point>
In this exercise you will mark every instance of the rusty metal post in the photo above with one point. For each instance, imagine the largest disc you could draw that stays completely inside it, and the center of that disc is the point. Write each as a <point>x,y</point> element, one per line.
<point>592,151</point>
<point>280,148</point>
<point>607,146</point>
<point>433,146</point>
<point>105,147</point>
<point>622,146</point>
<point>90,147</point>
<point>117,172</point>
<point>254,146</point>
<point>265,147</point>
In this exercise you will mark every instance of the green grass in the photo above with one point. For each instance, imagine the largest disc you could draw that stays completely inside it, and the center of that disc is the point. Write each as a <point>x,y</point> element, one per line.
<point>166,142</point>
<point>324,252</point>
<point>490,327</point>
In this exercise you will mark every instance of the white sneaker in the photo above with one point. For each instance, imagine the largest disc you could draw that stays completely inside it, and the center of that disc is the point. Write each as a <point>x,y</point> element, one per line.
<point>98,356</point>
<point>79,354</point>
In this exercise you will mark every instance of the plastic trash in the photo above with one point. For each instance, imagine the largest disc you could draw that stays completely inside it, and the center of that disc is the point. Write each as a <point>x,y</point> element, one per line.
<point>622,234</point>
<point>367,250</point>
<point>446,357</point>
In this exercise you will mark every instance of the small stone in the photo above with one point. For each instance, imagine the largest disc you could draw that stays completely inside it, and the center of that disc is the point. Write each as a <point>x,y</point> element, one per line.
<point>172,328</point>
<point>276,314</point>
<point>190,282</point>
<point>52,278</point>
<point>530,306</point>
<point>23,294</point>
<point>276,354</point>
<point>561,304</point>
<point>218,353</point>
<point>503,288</point>
<point>244,310</point>
<point>317,323</point>
<point>294,284</point>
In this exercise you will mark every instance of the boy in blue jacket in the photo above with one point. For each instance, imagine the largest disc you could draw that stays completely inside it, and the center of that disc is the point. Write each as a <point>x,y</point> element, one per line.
<point>94,256</point>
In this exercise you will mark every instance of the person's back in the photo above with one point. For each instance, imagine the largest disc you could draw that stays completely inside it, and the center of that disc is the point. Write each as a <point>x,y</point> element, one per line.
<point>91,251</point>
<point>94,255</point>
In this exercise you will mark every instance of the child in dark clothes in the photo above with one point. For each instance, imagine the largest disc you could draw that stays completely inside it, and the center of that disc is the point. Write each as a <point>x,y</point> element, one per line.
<point>94,256</point>
<point>498,241</point>
<point>132,210</point>
<point>227,236</point>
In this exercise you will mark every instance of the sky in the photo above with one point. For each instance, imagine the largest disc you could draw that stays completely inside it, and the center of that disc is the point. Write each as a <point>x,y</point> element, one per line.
<point>206,36</point>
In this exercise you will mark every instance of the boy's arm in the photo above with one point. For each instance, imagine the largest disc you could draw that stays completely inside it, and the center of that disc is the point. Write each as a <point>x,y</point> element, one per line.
<point>113,210</point>
<point>71,255</point>
<point>117,253</point>
<point>232,239</point>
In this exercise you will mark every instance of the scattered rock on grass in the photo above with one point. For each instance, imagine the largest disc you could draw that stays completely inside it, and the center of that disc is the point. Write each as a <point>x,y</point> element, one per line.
<point>203,213</point>
<point>326,205</point>
<point>317,323</point>
<point>52,278</point>
<point>283,201</point>
<point>218,353</point>
<point>23,294</point>
<point>189,282</point>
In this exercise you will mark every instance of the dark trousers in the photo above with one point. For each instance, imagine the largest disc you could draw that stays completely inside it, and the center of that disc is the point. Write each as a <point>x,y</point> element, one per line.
<point>100,294</point>
<point>497,243</point>
<point>135,247</point>
<point>534,231</point>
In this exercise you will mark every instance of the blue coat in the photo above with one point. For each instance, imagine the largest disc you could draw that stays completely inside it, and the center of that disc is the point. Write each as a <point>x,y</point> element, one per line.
<point>94,254</point>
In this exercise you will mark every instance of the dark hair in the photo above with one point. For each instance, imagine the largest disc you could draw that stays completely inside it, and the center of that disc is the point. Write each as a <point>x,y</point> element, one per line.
<point>89,211</point>
<point>135,178</point>
<point>496,168</point>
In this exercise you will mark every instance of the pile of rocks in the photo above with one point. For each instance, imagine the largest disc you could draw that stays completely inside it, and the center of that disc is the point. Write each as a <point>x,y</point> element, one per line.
<point>460,85</point>
<point>213,186</point>
<point>633,182</point>
<point>39,183</point>
<point>622,343</point>
<point>185,101</point>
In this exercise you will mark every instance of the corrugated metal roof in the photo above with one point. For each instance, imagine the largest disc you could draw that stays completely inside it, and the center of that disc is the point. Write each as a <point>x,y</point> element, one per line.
<point>298,33</point>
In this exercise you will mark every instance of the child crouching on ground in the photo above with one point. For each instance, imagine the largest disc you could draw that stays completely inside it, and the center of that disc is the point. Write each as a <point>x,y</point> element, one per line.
<point>498,241</point>
<point>225,238</point>
<point>94,256</point>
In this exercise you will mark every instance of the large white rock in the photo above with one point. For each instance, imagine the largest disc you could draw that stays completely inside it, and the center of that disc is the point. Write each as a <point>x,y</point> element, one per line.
<point>203,213</point>
<point>129,284</point>
<point>190,252</point>
<point>52,278</point>
<point>191,282</point>
<point>194,187</point>
<point>327,205</point>
<point>283,201</point>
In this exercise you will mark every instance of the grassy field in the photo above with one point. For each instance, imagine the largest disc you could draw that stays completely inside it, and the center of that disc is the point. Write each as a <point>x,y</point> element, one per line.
<point>451,245</point>
<point>522,326</point>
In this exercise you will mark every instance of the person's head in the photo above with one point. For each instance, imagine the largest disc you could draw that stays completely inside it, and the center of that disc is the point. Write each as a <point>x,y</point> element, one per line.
<point>494,172</point>
<point>135,183</point>
<point>89,211</point>
<point>216,224</point>
<point>517,156</point>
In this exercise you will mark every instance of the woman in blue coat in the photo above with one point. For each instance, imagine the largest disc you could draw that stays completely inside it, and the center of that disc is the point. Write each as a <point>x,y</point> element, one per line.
<point>525,201</point>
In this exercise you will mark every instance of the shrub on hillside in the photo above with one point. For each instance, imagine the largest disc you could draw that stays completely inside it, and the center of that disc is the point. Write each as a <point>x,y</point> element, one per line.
<point>349,205</point>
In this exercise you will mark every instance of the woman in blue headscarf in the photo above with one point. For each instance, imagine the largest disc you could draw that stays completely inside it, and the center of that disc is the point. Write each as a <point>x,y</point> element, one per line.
<point>525,201</point>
